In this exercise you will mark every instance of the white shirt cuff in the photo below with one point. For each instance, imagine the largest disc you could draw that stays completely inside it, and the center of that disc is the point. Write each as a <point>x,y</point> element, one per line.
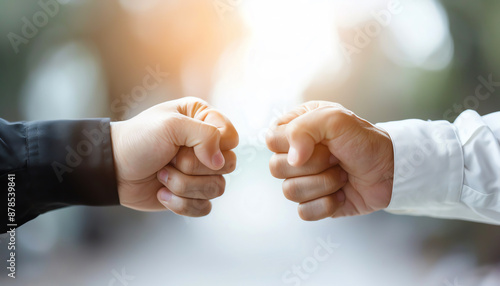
<point>447,170</point>
<point>428,166</point>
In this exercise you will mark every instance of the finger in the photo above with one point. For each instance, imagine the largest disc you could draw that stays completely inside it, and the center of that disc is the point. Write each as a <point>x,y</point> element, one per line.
<point>276,140</point>
<point>305,108</point>
<point>320,160</point>
<point>308,188</point>
<point>194,187</point>
<point>187,162</point>
<point>354,203</point>
<point>324,123</point>
<point>183,206</point>
<point>203,137</point>
<point>199,109</point>
<point>229,136</point>
<point>297,112</point>
<point>321,208</point>
<point>276,136</point>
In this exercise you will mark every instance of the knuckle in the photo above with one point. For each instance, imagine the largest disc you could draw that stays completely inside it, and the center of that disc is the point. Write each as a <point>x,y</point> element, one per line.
<point>271,139</point>
<point>171,124</point>
<point>192,99</point>
<point>274,167</point>
<point>214,131</point>
<point>328,205</point>
<point>211,190</point>
<point>194,193</point>
<point>183,207</point>
<point>290,190</point>
<point>293,128</point>
<point>332,104</point>
<point>205,211</point>
<point>231,161</point>
<point>188,164</point>
<point>200,207</point>
<point>304,214</point>
<point>209,132</point>
<point>338,116</point>
<point>231,166</point>
<point>222,185</point>
<point>177,184</point>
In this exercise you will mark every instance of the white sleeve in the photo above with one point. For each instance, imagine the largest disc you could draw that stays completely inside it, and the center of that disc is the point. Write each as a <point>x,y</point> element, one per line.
<point>447,170</point>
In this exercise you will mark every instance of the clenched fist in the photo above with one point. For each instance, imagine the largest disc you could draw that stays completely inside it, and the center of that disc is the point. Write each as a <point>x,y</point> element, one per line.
<point>333,162</point>
<point>172,156</point>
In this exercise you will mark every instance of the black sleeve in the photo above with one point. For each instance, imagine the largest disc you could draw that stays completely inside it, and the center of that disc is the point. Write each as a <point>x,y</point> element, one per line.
<point>54,164</point>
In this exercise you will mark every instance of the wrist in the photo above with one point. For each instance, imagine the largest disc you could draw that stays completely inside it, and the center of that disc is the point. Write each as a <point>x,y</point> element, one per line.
<point>115,145</point>
<point>387,161</point>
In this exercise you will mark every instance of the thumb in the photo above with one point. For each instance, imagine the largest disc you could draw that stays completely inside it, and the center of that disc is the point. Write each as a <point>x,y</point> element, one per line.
<point>204,138</point>
<point>312,128</point>
<point>301,144</point>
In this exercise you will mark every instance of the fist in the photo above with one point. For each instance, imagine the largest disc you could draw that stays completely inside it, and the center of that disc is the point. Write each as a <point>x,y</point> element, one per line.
<point>334,163</point>
<point>172,156</point>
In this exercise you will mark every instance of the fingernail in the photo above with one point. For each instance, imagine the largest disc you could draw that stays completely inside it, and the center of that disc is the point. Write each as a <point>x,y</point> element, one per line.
<point>218,159</point>
<point>165,196</point>
<point>163,175</point>
<point>293,156</point>
<point>340,196</point>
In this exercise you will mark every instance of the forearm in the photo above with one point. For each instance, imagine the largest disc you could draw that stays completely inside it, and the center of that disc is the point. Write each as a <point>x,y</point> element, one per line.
<point>57,164</point>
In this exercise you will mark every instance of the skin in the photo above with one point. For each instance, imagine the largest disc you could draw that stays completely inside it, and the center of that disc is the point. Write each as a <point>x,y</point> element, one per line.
<point>334,163</point>
<point>172,156</point>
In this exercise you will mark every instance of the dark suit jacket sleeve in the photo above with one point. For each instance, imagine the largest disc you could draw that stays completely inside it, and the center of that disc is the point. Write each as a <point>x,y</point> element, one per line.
<point>55,164</point>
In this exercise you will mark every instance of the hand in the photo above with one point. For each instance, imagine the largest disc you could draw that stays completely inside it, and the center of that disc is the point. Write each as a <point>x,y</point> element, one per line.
<point>337,163</point>
<point>173,156</point>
